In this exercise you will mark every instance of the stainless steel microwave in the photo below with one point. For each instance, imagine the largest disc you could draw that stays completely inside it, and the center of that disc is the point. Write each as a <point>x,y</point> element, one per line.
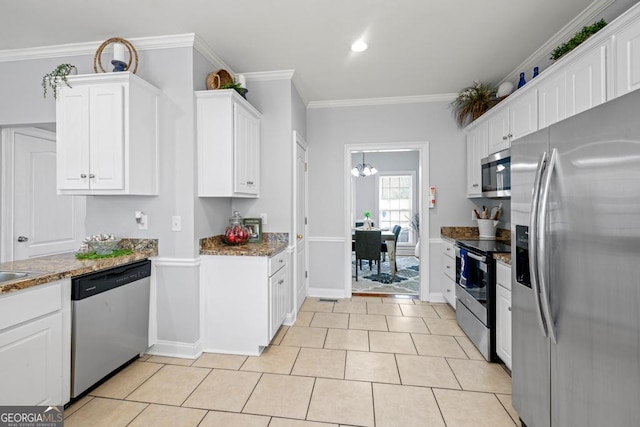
<point>496,174</point>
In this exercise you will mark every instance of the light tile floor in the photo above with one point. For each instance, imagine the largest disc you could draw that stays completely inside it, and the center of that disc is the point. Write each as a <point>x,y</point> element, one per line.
<point>365,361</point>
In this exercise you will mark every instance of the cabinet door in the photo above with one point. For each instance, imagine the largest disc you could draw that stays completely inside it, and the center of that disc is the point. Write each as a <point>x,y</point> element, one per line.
<point>587,81</point>
<point>246,130</point>
<point>106,137</point>
<point>628,59</point>
<point>499,131</point>
<point>31,361</point>
<point>523,115</point>
<point>277,284</point>
<point>503,325</point>
<point>72,136</point>
<point>477,148</point>
<point>552,100</point>
<point>449,290</point>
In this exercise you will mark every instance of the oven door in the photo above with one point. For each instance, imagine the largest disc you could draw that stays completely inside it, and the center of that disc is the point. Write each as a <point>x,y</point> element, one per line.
<point>474,292</point>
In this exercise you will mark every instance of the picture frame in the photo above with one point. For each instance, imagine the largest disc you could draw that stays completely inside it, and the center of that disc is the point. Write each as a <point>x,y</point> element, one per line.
<point>255,229</point>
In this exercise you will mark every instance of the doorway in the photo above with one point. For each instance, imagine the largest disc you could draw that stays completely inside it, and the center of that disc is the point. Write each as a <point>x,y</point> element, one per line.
<point>385,213</point>
<point>35,220</point>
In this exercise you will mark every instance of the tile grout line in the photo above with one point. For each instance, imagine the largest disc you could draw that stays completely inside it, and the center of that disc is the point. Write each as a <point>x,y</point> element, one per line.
<point>505,408</point>
<point>251,394</point>
<point>194,389</point>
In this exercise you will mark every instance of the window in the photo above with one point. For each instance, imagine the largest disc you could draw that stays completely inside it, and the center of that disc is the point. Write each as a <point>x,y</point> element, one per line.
<point>395,203</point>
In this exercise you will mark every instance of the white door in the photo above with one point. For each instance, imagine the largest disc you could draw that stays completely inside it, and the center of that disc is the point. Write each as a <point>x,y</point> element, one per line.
<point>39,221</point>
<point>300,219</point>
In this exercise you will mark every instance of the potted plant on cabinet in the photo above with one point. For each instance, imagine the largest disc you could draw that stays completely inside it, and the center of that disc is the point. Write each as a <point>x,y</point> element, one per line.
<point>59,74</point>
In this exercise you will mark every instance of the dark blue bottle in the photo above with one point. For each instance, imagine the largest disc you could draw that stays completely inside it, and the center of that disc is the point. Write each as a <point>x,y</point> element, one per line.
<point>522,81</point>
<point>535,72</point>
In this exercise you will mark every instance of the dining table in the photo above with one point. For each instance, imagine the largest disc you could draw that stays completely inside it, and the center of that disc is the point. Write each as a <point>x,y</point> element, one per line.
<point>386,236</point>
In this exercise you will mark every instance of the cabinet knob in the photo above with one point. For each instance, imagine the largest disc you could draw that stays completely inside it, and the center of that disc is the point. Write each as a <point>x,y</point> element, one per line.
<point>249,182</point>
<point>280,261</point>
<point>448,267</point>
<point>280,282</point>
<point>476,185</point>
<point>448,249</point>
<point>299,236</point>
<point>510,135</point>
<point>91,175</point>
<point>509,308</point>
<point>23,239</point>
<point>448,290</point>
<point>504,138</point>
<point>83,175</point>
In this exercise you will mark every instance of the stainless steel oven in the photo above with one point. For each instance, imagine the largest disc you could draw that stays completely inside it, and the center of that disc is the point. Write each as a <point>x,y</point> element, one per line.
<point>475,291</point>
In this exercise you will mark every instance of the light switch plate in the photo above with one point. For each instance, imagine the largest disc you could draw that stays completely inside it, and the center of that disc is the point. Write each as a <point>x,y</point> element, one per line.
<point>176,223</point>
<point>264,218</point>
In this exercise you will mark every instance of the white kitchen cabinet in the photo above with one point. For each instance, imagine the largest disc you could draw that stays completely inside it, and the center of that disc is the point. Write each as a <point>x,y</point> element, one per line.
<point>477,149</point>
<point>517,119</point>
<point>627,56</point>
<point>35,345</point>
<point>586,77</point>
<point>449,273</point>
<point>503,313</point>
<point>107,135</point>
<point>552,100</point>
<point>228,145</point>
<point>244,300</point>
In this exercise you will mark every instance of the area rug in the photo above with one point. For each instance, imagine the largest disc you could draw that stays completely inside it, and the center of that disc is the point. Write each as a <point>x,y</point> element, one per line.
<point>407,280</point>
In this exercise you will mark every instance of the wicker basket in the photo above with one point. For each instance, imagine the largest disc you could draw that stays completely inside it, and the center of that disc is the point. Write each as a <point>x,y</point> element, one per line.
<point>218,78</point>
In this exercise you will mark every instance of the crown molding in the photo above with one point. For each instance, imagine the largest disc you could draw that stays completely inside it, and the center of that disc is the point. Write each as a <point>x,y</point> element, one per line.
<point>210,55</point>
<point>586,17</point>
<point>89,48</point>
<point>263,76</point>
<point>444,97</point>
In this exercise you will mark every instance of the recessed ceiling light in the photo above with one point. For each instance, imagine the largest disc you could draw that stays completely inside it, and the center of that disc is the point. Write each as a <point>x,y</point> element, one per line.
<point>359,46</point>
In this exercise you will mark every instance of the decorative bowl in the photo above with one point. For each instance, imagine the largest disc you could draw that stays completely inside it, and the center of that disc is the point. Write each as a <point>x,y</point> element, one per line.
<point>104,247</point>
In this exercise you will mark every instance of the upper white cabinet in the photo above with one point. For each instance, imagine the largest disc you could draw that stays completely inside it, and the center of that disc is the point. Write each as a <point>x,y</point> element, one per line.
<point>586,77</point>
<point>107,135</point>
<point>228,145</point>
<point>628,58</point>
<point>477,149</point>
<point>552,100</point>
<point>519,118</point>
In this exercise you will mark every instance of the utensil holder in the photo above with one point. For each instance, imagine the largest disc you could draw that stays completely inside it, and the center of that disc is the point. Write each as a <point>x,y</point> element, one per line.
<point>487,228</point>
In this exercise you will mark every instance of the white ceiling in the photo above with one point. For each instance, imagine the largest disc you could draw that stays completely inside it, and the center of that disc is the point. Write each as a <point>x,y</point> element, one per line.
<point>416,47</point>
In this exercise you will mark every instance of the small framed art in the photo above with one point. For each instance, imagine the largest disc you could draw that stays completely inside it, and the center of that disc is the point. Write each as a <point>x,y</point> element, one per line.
<point>255,229</point>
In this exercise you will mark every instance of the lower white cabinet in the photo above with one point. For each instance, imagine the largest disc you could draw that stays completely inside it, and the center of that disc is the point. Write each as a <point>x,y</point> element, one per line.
<point>449,273</point>
<point>245,299</point>
<point>503,313</point>
<point>35,345</point>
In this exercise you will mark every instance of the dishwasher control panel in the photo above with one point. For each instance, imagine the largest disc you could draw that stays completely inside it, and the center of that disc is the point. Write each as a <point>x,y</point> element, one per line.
<point>92,284</point>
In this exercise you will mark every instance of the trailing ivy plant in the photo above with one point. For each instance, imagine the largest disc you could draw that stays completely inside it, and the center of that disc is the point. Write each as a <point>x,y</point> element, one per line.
<point>236,86</point>
<point>51,79</point>
<point>577,39</point>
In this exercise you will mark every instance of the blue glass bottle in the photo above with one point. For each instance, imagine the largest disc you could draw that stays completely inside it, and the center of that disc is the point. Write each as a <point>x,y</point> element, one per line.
<point>522,81</point>
<point>535,72</point>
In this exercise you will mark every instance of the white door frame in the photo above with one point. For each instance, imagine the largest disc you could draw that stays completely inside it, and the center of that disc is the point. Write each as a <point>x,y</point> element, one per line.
<point>423,192</point>
<point>299,140</point>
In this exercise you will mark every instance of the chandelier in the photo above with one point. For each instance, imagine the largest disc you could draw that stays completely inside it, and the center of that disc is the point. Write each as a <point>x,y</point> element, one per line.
<point>364,169</point>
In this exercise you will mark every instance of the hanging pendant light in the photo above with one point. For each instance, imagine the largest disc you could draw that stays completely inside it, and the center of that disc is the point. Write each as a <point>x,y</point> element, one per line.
<point>364,169</point>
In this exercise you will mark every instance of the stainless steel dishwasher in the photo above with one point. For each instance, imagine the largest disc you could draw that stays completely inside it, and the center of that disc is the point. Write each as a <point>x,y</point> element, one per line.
<point>109,322</point>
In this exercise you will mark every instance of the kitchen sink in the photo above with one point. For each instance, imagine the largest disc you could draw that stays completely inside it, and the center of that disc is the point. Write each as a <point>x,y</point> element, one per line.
<point>5,276</point>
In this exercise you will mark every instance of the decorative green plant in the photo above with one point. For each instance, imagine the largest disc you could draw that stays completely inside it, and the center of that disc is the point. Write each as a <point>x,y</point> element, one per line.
<point>473,101</point>
<point>577,39</point>
<point>236,86</point>
<point>59,74</point>
<point>367,214</point>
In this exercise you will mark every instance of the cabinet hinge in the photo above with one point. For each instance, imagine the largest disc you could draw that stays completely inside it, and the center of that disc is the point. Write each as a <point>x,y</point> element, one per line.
<point>305,166</point>
<point>306,274</point>
<point>305,220</point>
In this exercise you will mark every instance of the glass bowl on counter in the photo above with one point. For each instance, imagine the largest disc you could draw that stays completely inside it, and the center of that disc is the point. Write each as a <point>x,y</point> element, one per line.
<point>104,247</point>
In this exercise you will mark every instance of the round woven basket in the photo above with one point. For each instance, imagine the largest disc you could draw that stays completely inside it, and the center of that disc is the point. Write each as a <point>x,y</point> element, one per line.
<point>218,78</point>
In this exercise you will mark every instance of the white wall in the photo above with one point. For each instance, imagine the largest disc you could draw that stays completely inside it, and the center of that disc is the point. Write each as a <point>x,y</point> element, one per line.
<point>329,129</point>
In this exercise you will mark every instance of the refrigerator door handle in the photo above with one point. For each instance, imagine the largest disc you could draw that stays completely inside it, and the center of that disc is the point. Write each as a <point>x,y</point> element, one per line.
<point>533,237</point>
<point>543,269</point>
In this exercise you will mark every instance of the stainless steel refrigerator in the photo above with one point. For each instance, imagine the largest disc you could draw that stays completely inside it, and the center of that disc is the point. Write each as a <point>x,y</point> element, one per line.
<point>576,269</point>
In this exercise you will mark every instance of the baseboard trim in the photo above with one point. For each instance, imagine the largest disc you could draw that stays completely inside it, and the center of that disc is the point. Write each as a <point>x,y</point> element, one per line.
<point>290,319</point>
<point>436,297</point>
<point>176,349</point>
<point>176,262</point>
<point>326,293</point>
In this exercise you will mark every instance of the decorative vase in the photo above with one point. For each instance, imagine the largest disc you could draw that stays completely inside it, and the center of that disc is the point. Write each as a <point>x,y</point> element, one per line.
<point>536,71</point>
<point>522,81</point>
<point>416,252</point>
<point>367,223</point>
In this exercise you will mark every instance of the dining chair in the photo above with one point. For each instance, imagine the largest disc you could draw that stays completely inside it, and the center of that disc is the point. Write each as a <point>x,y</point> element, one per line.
<point>384,249</point>
<point>367,248</point>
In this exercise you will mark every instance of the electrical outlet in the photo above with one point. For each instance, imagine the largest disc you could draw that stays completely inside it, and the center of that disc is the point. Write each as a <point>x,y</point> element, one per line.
<point>142,220</point>
<point>264,218</point>
<point>176,223</point>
